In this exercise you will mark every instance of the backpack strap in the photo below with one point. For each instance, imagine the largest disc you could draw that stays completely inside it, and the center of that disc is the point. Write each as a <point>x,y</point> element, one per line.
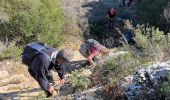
<point>53,56</point>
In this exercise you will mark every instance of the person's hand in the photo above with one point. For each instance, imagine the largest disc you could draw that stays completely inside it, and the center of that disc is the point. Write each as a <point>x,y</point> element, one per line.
<point>51,89</point>
<point>62,81</point>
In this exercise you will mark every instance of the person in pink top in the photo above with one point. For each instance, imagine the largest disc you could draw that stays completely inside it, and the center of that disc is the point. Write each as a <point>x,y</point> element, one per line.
<point>93,50</point>
<point>94,53</point>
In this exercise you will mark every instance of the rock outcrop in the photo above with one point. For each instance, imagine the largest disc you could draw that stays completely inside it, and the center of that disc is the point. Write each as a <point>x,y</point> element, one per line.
<point>143,84</point>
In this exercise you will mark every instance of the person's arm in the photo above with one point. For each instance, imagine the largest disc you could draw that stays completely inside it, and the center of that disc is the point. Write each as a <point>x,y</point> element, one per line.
<point>38,70</point>
<point>108,17</point>
<point>60,70</point>
<point>43,81</point>
<point>41,71</point>
<point>90,59</point>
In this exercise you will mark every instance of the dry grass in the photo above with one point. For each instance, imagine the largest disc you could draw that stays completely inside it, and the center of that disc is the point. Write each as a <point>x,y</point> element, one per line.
<point>72,42</point>
<point>17,79</point>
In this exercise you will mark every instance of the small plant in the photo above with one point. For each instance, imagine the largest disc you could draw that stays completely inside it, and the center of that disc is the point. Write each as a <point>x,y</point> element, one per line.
<point>79,81</point>
<point>11,51</point>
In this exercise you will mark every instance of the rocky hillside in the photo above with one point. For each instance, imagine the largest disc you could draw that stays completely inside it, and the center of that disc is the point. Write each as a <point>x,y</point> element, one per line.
<point>16,83</point>
<point>126,73</point>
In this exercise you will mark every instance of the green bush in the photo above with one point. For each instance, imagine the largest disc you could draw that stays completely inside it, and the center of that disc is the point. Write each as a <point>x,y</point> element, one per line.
<point>78,81</point>
<point>11,51</point>
<point>153,42</point>
<point>32,20</point>
<point>151,10</point>
<point>115,69</point>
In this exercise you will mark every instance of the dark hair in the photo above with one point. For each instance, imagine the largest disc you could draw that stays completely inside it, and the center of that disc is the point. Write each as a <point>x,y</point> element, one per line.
<point>65,54</point>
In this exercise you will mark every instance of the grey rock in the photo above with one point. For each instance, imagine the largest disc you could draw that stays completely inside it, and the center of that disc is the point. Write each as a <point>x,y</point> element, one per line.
<point>144,79</point>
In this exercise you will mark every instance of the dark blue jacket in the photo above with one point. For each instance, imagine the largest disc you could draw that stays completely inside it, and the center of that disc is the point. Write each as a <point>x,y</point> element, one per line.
<point>40,69</point>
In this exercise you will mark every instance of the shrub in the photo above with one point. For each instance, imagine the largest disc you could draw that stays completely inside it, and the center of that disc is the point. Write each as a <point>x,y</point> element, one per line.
<point>153,42</point>
<point>79,81</point>
<point>32,20</point>
<point>11,51</point>
<point>117,68</point>
<point>150,11</point>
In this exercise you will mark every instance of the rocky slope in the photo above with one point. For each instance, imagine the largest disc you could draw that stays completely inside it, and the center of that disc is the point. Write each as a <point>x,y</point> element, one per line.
<point>16,83</point>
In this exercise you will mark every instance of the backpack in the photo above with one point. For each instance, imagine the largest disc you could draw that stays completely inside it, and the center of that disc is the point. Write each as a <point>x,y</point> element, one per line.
<point>93,43</point>
<point>85,48</point>
<point>31,50</point>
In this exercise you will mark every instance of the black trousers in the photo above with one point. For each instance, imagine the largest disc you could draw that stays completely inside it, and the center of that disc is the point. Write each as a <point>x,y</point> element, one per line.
<point>111,23</point>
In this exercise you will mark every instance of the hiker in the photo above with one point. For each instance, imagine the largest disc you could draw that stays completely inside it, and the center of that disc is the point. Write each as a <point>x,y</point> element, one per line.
<point>129,2</point>
<point>123,2</point>
<point>129,35</point>
<point>91,49</point>
<point>111,15</point>
<point>41,59</point>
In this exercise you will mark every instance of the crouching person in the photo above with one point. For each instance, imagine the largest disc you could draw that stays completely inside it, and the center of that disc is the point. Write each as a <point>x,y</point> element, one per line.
<point>41,59</point>
<point>91,49</point>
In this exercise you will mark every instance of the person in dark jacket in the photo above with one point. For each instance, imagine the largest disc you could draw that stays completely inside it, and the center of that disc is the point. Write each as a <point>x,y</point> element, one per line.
<point>129,35</point>
<point>40,68</point>
<point>111,16</point>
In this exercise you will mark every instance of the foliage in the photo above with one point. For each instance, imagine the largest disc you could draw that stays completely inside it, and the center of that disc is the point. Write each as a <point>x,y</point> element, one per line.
<point>151,10</point>
<point>32,20</point>
<point>118,67</point>
<point>11,51</point>
<point>98,28</point>
<point>79,81</point>
<point>153,42</point>
<point>165,20</point>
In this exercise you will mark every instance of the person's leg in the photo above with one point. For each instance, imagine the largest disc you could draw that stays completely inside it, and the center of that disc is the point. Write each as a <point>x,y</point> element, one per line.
<point>112,23</point>
<point>34,70</point>
<point>49,77</point>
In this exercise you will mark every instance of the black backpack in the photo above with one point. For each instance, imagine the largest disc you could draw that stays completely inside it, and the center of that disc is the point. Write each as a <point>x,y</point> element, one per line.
<point>31,50</point>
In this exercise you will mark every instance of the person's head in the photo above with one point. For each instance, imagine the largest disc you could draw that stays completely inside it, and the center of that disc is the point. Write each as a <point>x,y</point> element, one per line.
<point>64,56</point>
<point>112,10</point>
